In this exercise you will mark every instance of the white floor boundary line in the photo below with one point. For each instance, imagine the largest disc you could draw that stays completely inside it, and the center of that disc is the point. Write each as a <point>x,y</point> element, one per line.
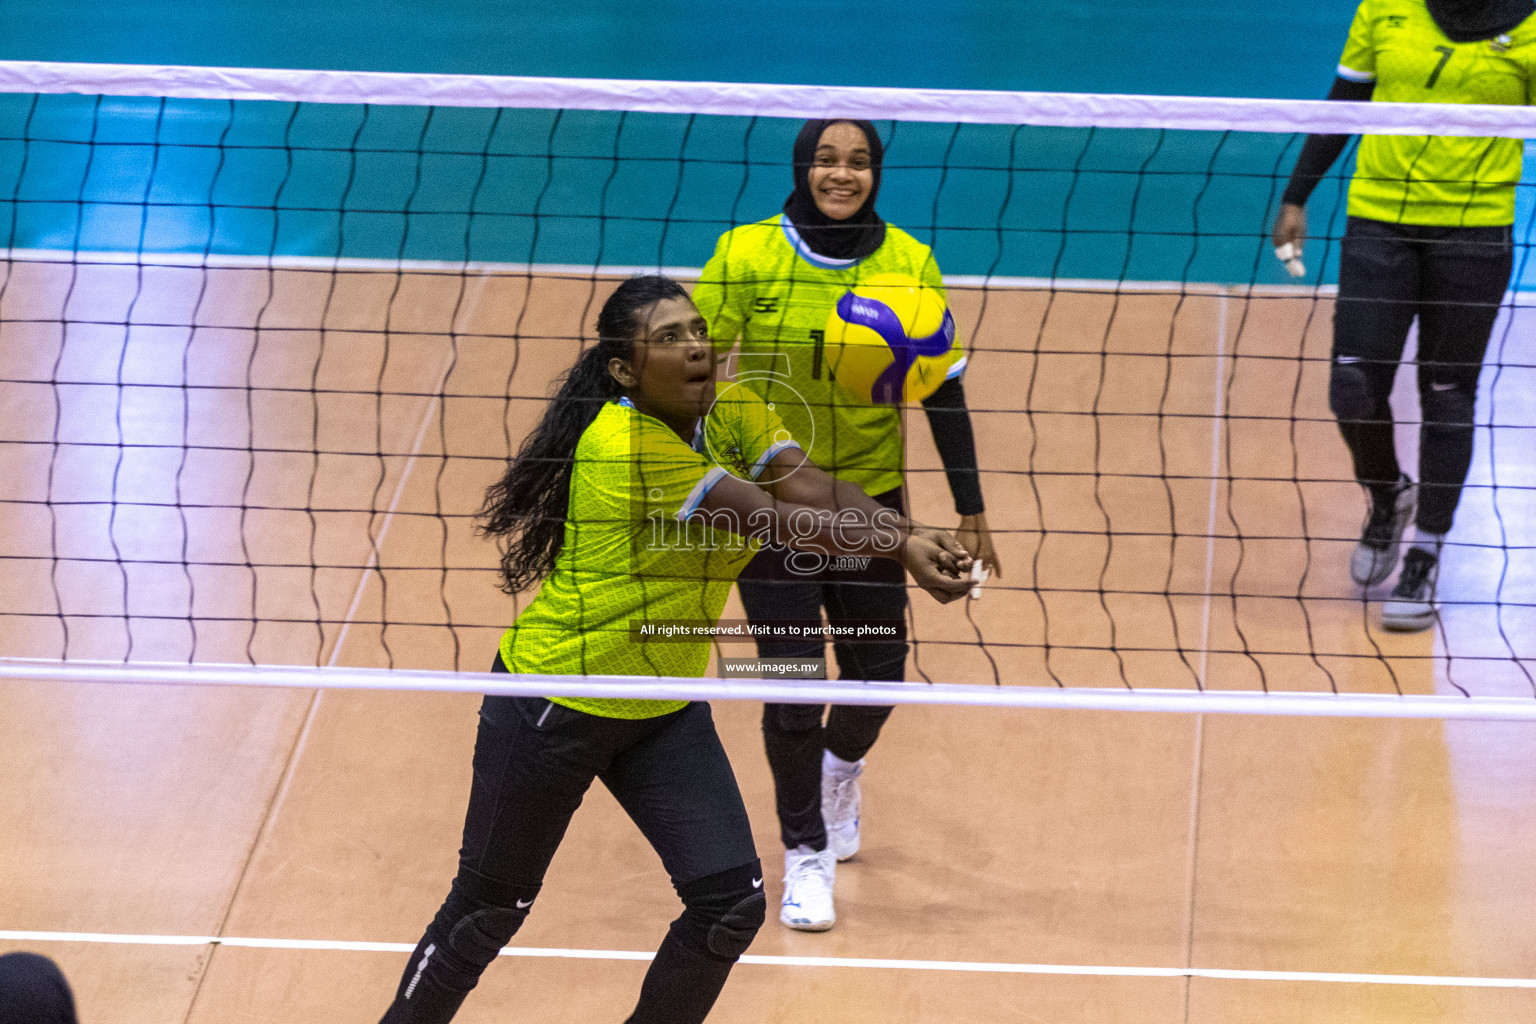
<point>487,268</point>
<point>433,409</point>
<point>868,963</point>
<point>432,404</point>
<point>1218,399</point>
<point>1197,754</point>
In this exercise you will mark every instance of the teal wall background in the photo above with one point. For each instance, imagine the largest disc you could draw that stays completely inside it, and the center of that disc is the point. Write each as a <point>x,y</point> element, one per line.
<point>1177,47</point>
<point>598,188</point>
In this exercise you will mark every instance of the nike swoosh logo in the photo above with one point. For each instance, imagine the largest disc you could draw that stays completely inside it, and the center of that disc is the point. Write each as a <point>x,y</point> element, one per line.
<point>524,906</point>
<point>757,883</point>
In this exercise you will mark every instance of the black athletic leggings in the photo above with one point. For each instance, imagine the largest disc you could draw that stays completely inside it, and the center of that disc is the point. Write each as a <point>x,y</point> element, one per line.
<point>534,760</point>
<point>772,590</point>
<point>1453,280</point>
<point>33,991</point>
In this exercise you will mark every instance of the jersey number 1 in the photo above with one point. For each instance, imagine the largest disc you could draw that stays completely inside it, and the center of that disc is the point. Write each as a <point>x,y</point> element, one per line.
<point>1434,76</point>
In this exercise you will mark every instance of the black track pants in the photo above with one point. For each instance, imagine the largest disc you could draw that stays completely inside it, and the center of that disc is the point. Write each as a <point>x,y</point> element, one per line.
<point>1452,280</point>
<point>772,590</point>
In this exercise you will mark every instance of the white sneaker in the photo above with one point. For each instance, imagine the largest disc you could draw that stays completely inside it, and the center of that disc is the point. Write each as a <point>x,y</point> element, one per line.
<point>808,879</point>
<point>840,801</point>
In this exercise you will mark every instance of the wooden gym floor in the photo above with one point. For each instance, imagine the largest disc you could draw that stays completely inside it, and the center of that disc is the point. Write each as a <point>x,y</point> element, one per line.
<point>1109,850</point>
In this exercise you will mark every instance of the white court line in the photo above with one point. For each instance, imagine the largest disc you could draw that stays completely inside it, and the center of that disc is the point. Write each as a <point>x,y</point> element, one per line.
<point>1197,755</point>
<point>1210,522</point>
<point>434,405</point>
<point>389,516</point>
<point>868,963</point>
<point>434,408</point>
<point>482,268</point>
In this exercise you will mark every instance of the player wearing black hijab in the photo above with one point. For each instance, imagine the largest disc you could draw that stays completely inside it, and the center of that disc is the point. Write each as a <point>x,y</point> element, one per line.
<point>1428,237</point>
<point>854,236</point>
<point>772,285</point>
<point>1467,21</point>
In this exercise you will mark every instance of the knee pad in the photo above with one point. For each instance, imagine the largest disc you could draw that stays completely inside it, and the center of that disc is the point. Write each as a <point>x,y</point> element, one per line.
<point>479,935</point>
<point>730,936</point>
<point>1353,392</point>
<point>722,912</point>
<point>473,926</point>
<point>792,717</point>
<point>1450,404</point>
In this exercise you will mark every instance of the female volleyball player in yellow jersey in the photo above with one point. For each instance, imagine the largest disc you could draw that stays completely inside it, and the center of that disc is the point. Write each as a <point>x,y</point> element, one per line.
<point>601,504</point>
<point>772,284</point>
<point>1428,235</point>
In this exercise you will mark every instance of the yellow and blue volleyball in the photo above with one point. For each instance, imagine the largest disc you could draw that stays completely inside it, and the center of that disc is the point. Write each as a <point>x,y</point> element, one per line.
<point>891,340</point>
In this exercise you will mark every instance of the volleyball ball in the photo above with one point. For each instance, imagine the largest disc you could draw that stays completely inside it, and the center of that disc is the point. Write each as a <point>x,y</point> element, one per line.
<point>890,340</point>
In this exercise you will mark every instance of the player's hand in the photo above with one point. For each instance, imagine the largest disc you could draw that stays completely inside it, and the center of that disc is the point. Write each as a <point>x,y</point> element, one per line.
<point>938,564</point>
<point>976,537</point>
<point>945,540</point>
<point>1290,226</point>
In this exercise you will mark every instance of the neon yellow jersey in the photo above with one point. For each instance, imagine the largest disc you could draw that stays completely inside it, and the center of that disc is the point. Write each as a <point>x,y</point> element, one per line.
<point>635,550</point>
<point>766,287</point>
<point>1435,179</point>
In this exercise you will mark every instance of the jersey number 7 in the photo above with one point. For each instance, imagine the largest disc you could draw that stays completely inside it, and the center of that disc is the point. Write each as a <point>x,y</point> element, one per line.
<point>1434,76</point>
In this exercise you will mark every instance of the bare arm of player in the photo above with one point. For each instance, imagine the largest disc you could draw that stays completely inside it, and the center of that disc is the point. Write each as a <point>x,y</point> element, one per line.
<point>794,478</point>
<point>791,476</point>
<point>849,523</point>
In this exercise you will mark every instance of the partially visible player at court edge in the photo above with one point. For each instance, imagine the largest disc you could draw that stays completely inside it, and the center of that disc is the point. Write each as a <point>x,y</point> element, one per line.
<point>33,991</point>
<point>1428,235</point>
<point>622,449</point>
<point>773,284</point>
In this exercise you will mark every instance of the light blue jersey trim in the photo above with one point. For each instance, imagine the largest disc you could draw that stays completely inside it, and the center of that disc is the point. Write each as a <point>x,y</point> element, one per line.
<point>957,369</point>
<point>767,456</point>
<point>1350,74</point>
<point>700,489</point>
<point>806,253</point>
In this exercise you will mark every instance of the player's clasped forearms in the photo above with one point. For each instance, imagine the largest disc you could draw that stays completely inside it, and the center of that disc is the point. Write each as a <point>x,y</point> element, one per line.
<point>722,529</point>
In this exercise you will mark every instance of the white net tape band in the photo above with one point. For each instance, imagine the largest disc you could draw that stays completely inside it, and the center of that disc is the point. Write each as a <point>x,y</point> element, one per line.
<point>1066,110</point>
<point>1329,705</point>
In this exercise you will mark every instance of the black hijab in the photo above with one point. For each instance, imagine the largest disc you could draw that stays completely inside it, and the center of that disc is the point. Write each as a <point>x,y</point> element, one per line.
<point>1465,21</point>
<point>851,239</point>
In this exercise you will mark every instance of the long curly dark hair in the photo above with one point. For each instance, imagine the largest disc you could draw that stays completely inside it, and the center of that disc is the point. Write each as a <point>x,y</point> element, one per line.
<point>529,504</point>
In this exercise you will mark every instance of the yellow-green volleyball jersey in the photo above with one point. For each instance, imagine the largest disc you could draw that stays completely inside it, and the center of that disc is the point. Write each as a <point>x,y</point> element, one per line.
<point>765,286</point>
<point>1435,179</point>
<point>632,554</point>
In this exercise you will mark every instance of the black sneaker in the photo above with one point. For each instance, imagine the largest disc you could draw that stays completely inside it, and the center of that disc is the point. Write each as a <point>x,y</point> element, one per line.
<point>1375,556</point>
<point>1412,604</point>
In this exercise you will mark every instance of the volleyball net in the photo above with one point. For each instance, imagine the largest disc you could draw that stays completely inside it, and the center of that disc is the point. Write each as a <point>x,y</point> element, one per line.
<point>267,336</point>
